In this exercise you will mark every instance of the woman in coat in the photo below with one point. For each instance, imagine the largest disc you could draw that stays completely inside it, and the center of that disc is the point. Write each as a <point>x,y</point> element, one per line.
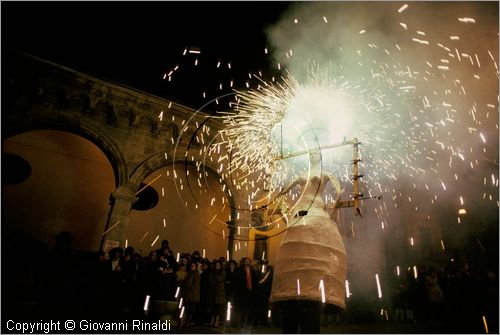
<point>191,294</point>
<point>218,280</point>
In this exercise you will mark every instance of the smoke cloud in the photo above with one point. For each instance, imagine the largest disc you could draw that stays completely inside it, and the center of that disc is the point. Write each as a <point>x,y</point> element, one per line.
<point>431,70</point>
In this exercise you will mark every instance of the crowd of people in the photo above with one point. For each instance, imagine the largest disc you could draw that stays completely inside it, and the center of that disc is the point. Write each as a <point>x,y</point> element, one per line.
<point>440,298</point>
<point>205,286</point>
<point>122,284</point>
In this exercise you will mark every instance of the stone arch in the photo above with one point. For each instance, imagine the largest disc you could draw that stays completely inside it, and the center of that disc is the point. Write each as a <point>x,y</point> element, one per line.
<point>125,115</point>
<point>149,124</point>
<point>157,161</point>
<point>169,129</point>
<point>87,129</point>
<point>111,150</point>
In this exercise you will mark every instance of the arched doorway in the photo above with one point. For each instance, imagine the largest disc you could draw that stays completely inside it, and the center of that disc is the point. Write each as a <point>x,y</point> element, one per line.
<point>161,213</point>
<point>56,181</point>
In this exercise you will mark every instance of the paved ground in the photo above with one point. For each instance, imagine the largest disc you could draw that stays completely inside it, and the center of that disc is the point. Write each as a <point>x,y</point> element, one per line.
<point>376,328</point>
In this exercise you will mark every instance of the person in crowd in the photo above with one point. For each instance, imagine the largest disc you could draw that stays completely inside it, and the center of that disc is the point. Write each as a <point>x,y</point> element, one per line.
<point>168,254</point>
<point>166,282</point>
<point>400,300</point>
<point>223,262</point>
<point>100,274</point>
<point>196,257</point>
<point>434,297</point>
<point>129,270</point>
<point>264,280</point>
<point>230,279</point>
<point>244,298</point>
<point>217,286</point>
<point>181,273</point>
<point>206,293</point>
<point>115,282</point>
<point>191,295</point>
<point>147,274</point>
<point>180,277</point>
<point>164,245</point>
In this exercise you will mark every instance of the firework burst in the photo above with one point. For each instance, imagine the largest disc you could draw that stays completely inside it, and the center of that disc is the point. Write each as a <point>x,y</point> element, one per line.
<point>418,118</point>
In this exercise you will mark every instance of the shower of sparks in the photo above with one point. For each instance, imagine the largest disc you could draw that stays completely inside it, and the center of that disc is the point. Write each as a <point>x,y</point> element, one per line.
<point>258,113</point>
<point>265,120</point>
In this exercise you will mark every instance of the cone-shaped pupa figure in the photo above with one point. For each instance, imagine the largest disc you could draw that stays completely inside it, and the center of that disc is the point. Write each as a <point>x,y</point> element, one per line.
<point>311,262</point>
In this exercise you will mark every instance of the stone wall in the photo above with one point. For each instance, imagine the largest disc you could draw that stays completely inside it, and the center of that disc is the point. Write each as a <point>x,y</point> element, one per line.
<point>138,133</point>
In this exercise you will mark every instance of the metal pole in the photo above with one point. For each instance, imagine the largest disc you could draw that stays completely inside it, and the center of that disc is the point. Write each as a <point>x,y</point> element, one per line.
<point>355,172</point>
<point>330,146</point>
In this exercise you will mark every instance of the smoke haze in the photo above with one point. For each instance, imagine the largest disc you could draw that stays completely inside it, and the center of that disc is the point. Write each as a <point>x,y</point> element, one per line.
<point>433,67</point>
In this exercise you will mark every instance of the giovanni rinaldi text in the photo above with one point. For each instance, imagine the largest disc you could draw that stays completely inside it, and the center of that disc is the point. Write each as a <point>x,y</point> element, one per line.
<point>86,325</point>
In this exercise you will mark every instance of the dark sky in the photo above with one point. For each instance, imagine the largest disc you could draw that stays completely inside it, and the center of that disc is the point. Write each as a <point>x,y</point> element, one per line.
<point>136,43</point>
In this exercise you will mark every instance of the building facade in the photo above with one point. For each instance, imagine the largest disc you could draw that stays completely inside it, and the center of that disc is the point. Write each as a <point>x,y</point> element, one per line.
<point>93,149</point>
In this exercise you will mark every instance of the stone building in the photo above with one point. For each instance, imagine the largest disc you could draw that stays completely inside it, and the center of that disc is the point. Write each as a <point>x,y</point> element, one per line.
<point>110,164</point>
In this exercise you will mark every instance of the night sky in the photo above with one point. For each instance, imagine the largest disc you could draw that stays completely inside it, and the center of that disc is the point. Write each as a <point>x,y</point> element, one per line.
<point>136,43</point>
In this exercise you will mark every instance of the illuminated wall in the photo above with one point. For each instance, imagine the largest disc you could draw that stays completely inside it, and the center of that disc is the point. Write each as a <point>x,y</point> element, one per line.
<point>68,188</point>
<point>186,228</point>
